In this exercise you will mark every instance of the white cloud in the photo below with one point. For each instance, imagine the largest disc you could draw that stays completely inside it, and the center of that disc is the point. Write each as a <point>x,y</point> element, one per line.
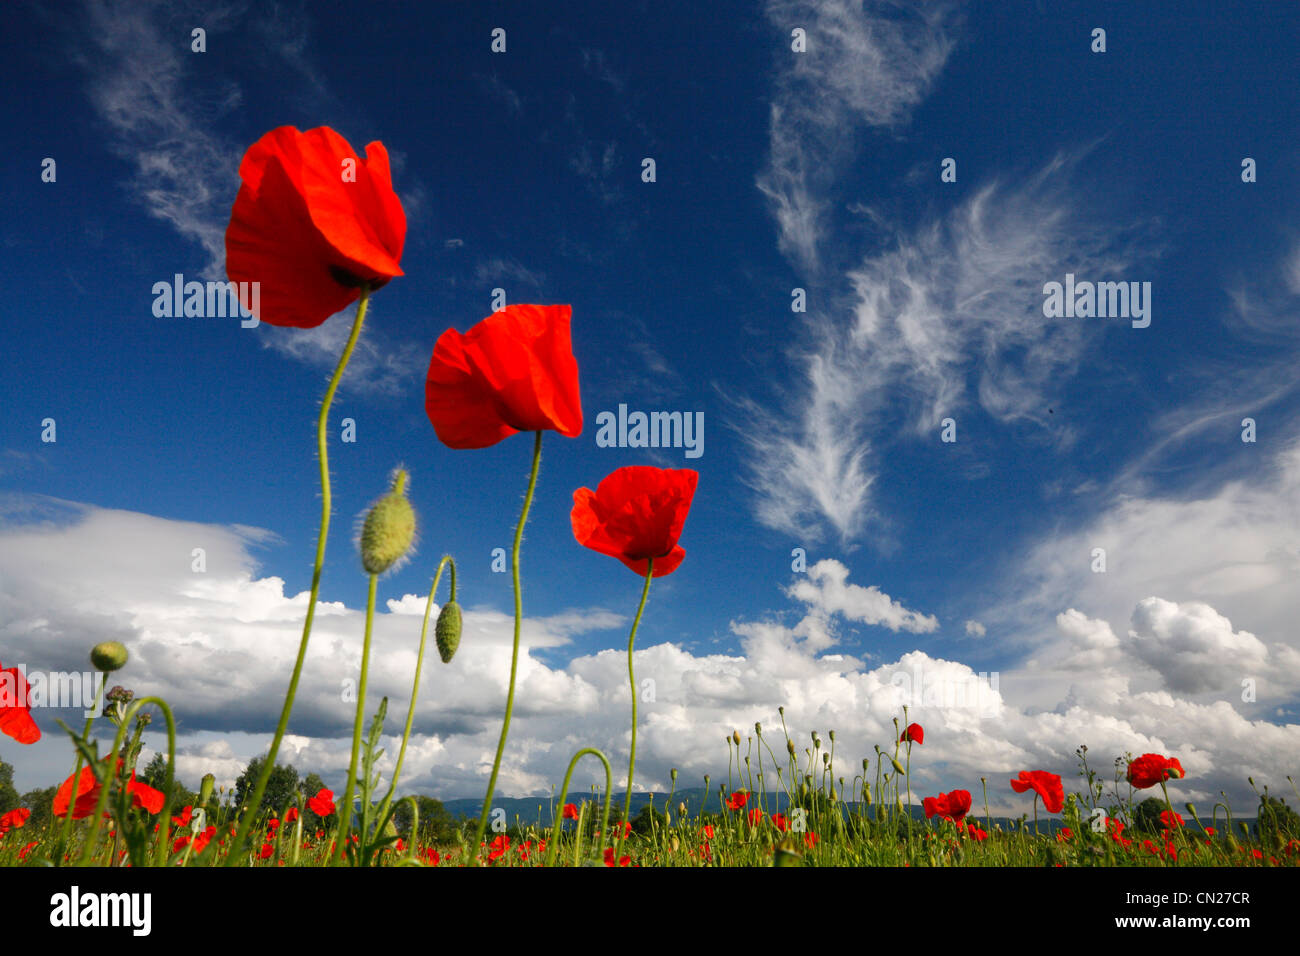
<point>866,64</point>
<point>220,648</point>
<point>954,302</point>
<point>975,629</point>
<point>1193,646</point>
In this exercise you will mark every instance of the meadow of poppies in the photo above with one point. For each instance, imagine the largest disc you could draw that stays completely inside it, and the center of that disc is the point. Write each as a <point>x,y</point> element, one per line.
<point>319,229</point>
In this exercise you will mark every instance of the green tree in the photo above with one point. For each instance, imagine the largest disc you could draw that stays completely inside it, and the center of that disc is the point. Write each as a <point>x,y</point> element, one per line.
<point>8,794</point>
<point>436,824</point>
<point>155,773</point>
<point>281,788</point>
<point>41,803</point>
<point>1146,815</point>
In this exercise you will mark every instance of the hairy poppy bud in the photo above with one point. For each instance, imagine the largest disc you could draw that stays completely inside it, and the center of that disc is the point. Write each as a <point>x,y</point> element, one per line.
<point>448,631</point>
<point>735,735</point>
<point>758,728</point>
<point>205,789</point>
<point>789,745</point>
<point>673,773</point>
<point>866,793</point>
<point>389,528</point>
<point>898,766</point>
<point>108,656</point>
<point>787,854</point>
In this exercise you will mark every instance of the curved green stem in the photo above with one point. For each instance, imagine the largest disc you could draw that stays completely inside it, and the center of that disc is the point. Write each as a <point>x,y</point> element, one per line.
<point>415,686</point>
<point>514,656</point>
<point>345,808</point>
<point>631,677</point>
<point>559,813</point>
<point>322,421</point>
<point>95,711</point>
<point>110,774</point>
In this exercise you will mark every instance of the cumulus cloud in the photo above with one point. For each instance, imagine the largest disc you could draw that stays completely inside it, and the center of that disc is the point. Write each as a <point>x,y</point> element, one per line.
<point>73,574</point>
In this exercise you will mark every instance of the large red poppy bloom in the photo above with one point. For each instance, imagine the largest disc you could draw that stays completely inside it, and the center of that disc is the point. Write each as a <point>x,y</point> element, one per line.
<point>1152,769</point>
<point>914,733</point>
<point>15,710</point>
<point>948,806</point>
<point>14,819</point>
<point>323,803</point>
<point>311,223</point>
<point>1046,785</point>
<point>143,796</point>
<point>512,372</point>
<point>636,513</point>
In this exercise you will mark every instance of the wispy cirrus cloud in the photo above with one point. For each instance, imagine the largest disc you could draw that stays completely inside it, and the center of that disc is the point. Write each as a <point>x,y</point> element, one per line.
<point>184,174</point>
<point>949,317</point>
<point>867,64</point>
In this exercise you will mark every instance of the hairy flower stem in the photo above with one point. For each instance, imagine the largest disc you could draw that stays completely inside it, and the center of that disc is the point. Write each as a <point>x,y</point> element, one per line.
<point>415,685</point>
<point>345,808</point>
<point>62,846</point>
<point>255,801</point>
<point>514,657</point>
<point>554,845</point>
<point>631,677</point>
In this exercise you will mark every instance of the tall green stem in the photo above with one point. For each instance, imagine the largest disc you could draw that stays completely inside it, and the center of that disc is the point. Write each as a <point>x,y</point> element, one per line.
<point>62,846</point>
<point>345,809</point>
<point>631,677</point>
<point>514,656</point>
<point>255,801</point>
<point>559,813</point>
<point>415,686</point>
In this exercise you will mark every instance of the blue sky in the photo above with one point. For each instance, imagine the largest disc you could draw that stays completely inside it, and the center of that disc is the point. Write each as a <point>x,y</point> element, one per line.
<point>775,170</point>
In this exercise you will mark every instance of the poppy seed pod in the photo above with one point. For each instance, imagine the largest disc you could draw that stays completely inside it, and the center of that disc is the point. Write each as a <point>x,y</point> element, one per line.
<point>389,528</point>
<point>448,631</point>
<point>108,656</point>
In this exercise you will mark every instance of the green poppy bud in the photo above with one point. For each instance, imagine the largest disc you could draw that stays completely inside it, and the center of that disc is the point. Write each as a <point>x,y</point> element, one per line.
<point>735,735</point>
<point>448,631</point>
<point>205,789</point>
<point>898,766</point>
<point>388,530</point>
<point>108,656</point>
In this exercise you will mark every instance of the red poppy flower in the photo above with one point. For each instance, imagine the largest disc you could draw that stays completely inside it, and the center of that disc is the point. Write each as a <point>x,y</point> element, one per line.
<point>499,847</point>
<point>432,857</point>
<point>948,806</point>
<point>609,858</point>
<point>914,732</point>
<point>267,850</point>
<point>512,372</point>
<point>22,854</point>
<point>636,513</point>
<point>707,830</point>
<point>737,800</point>
<point>570,812</point>
<point>323,803</point>
<point>311,223</point>
<point>976,833</point>
<point>1065,835</point>
<point>184,819</point>
<point>1170,820</point>
<point>1046,785</point>
<point>810,839</point>
<point>291,815</point>
<point>14,819</point>
<point>755,817</point>
<point>143,796</point>
<point>15,709</point>
<point>1152,769</point>
<point>780,822</point>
